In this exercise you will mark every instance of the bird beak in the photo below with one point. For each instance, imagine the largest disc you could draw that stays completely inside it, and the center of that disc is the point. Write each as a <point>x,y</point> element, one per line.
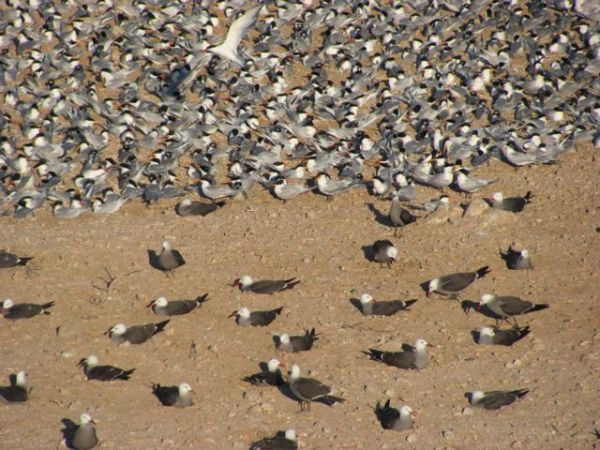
<point>149,305</point>
<point>374,301</point>
<point>94,421</point>
<point>80,363</point>
<point>236,283</point>
<point>430,345</point>
<point>232,314</point>
<point>282,365</point>
<point>107,332</point>
<point>479,307</point>
<point>428,294</point>
<point>414,413</point>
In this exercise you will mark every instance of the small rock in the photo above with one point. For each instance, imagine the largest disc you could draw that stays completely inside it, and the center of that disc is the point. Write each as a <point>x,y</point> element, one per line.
<point>389,393</point>
<point>66,354</point>
<point>476,208</point>
<point>212,348</point>
<point>584,343</point>
<point>267,407</point>
<point>306,260</point>
<point>512,364</point>
<point>448,434</point>
<point>412,438</point>
<point>467,411</point>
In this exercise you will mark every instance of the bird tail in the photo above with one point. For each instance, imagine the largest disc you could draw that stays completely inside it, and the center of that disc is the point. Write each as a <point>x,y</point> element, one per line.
<point>45,306</point>
<point>160,326</point>
<point>375,355</point>
<point>331,400</point>
<point>202,298</point>
<point>528,197</point>
<point>126,374</point>
<point>291,283</point>
<point>23,260</point>
<point>524,331</point>
<point>521,392</point>
<point>408,303</point>
<point>483,271</point>
<point>538,308</point>
<point>278,310</point>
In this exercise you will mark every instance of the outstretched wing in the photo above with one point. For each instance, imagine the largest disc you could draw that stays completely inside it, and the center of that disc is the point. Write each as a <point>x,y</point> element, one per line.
<point>240,27</point>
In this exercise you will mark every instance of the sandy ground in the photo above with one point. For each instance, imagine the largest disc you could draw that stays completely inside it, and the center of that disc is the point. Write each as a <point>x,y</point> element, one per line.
<point>320,243</point>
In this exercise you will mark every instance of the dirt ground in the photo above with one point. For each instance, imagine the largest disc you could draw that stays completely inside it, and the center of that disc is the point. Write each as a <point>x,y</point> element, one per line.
<point>320,243</point>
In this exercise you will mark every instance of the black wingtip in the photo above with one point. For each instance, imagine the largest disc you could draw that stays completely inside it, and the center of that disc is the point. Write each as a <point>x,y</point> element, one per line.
<point>278,310</point>
<point>410,302</point>
<point>528,196</point>
<point>160,326</point>
<point>23,260</point>
<point>539,307</point>
<point>202,298</point>
<point>483,271</point>
<point>375,355</point>
<point>521,392</point>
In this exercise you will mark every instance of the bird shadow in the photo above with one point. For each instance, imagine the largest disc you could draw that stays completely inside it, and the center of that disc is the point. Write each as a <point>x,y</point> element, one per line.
<point>468,305</point>
<point>68,431</point>
<point>380,217</point>
<point>287,392</point>
<point>356,303</point>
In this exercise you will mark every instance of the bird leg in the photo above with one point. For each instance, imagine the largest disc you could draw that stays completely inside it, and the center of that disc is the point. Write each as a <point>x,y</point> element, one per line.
<point>516,324</point>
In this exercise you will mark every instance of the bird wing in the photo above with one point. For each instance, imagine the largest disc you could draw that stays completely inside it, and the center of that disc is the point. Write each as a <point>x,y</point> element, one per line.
<point>240,27</point>
<point>311,388</point>
<point>457,281</point>
<point>388,308</point>
<point>139,333</point>
<point>267,286</point>
<point>168,395</point>
<point>104,373</point>
<point>403,360</point>
<point>497,399</point>
<point>179,307</point>
<point>513,305</point>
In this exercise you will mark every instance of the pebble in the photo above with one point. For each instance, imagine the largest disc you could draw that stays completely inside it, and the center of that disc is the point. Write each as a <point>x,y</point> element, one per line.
<point>467,411</point>
<point>412,438</point>
<point>66,354</point>
<point>512,364</point>
<point>267,407</point>
<point>448,434</point>
<point>476,208</point>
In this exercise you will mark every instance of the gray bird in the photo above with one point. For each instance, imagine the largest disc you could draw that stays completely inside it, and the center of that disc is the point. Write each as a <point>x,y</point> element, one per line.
<point>329,187</point>
<point>508,306</point>
<point>283,440</point>
<point>494,399</point>
<point>269,376</point>
<point>178,396</point>
<point>247,284</point>
<point>168,260</point>
<point>10,310</point>
<point>188,208</point>
<point>84,437</point>
<point>393,419</point>
<point>102,373</point>
<point>244,318</point>
<point>294,344</point>
<point>284,191</point>
<point>137,334</point>
<point>470,185</point>
<point>384,252</point>
<point>517,259</point>
<point>412,358</point>
<point>512,204</point>
<point>162,307</point>
<point>18,391</point>
<point>371,307</point>
<point>451,285</point>
<point>8,260</point>
<point>495,336</point>
<point>398,215</point>
<point>308,390</point>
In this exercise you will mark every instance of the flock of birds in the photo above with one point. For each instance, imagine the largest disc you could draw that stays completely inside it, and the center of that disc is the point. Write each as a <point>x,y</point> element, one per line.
<point>107,102</point>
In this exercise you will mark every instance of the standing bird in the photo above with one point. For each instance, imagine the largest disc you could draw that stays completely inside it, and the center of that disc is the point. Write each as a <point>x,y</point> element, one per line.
<point>517,260</point>
<point>392,419</point>
<point>413,358</point>
<point>10,310</point>
<point>162,307</point>
<point>284,191</point>
<point>84,437</point>
<point>244,318</point>
<point>269,376</point>
<point>512,204</point>
<point>371,307</point>
<point>398,215</point>
<point>137,334</point>
<point>102,373</point>
<point>384,252</point>
<point>178,396</point>
<point>8,260</point>
<point>168,260</point>
<point>451,285</point>
<point>508,306</point>
<point>294,344</point>
<point>283,440</point>
<point>247,284</point>
<point>329,187</point>
<point>494,399</point>
<point>495,336</point>
<point>18,391</point>
<point>308,390</point>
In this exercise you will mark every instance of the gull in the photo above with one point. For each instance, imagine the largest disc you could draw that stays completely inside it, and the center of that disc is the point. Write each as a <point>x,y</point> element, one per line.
<point>412,358</point>
<point>451,285</point>
<point>247,284</point>
<point>269,376</point>
<point>308,390</point>
<point>384,252</point>
<point>398,215</point>
<point>495,336</point>
<point>178,396</point>
<point>244,318</point>
<point>294,344</point>
<point>508,306</point>
<point>17,391</point>
<point>168,260</point>
<point>517,260</point>
<point>283,440</point>
<point>84,437</point>
<point>228,49</point>
<point>393,419</point>
<point>137,334</point>
<point>494,399</point>
<point>10,310</point>
<point>189,208</point>
<point>10,260</point>
<point>102,373</point>
<point>512,204</point>
<point>162,307</point>
<point>371,307</point>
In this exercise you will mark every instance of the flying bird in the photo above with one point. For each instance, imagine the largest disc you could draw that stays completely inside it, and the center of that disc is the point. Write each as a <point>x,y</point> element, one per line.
<point>137,334</point>
<point>494,399</point>
<point>228,49</point>
<point>102,373</point>
<point>451,285</point>
<point>163,307</point>
<point>247,284</point>
<point>10,310</point>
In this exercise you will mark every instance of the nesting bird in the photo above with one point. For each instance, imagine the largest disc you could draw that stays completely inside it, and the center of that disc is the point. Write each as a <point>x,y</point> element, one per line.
<point>163,307</point>
<point>384,252</point>
<point>293,344</point>
<point>244,318</point>
<point>13,311</point>
<point>282,440</point>
<point>412,358</point>
<point>494,399</point>
<point>371,307</point>
<point>495,336</point>
<point>517,259</point>
<point>270,375</point>
<point>453,284</point>
<point>18,391</point>
<point>137,334</point>
<point>308,390</point>
<point>84,436</point>
<point>394,419</point>
<point>247,284</point>
<point>93,371</point>
<point>177,396</point>
<point>8,260</point>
